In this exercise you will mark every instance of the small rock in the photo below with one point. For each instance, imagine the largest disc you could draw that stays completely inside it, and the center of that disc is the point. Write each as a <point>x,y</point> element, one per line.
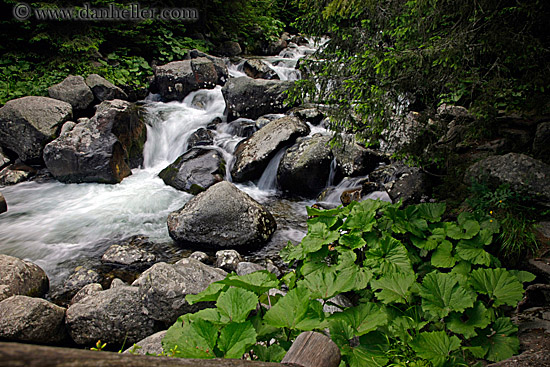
<point>200,256</point>
<point>76,281</point>
<point>4,159</point>
<point>228,260</point>
<point>19,277</point>
<point>200,137</point>
<point>257,69</point>
<point>87,290</point>
<point>272,268</point>
<point>152,345</point>
<point>115,283</point>
<point>309,114</point>
<point>245,267</point>
<point>450,112</point>
<point>130,252</point>
<point>14,174</point>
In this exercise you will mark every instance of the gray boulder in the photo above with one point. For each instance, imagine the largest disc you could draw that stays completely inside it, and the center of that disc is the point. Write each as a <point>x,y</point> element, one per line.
<point>195,170</point>
<point>308,113</point>
<point>257,69</point>
<point>524,174</point>
<point>34,320</point>
<point>252,98</point>
<point>86,291</point>
<point>163,287</point>
<point>245,267</point>
<point>152,345</point>
<point>27,124</point>
<point>221,217</point>
<point>19,277</point>
<point>271,48</point>
<point>177,79</point>
<point>103,89</point>
<point>200,137</point>
<point>229,49</point>
<point>102,149</point>
<point>114,316</point>
<point>130,252</point>
<point>412,187</point>
<point>79,278</point>
<point>541,143</point>
<point>16,173</point>
<point>73,90</point>
<point>3,204</point>
<point>253,155</point>
<point>228,260</point>
<point>354,160</point>
<point>200,256</point>
<point>305,167</point>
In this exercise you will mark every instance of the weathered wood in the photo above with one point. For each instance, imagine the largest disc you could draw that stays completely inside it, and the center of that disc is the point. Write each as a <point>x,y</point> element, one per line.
<point>313,349</point>
<point>19,355</point>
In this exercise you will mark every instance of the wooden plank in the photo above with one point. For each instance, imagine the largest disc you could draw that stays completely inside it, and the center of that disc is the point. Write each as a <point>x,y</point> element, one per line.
<point>19,355</point>
<point>312,349</point>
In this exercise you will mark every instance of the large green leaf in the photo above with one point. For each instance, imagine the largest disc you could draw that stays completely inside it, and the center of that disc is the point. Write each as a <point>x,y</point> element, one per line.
<point>441,293</point>
<point>235,304</point>
<point>362,216</point>
<point>443,257</point>
<point>499,284</point>
<point>258,282</point>
<point>522,276</point>
<point>431,211</point>
<point>352,240</point>
<point>318,235</point>
<point>191,340</point>
<point>340,332</point>
<point>466,323</point>
<point>236,338</point>
<point>472,252</point>
<point>314,317</point>
<point>498,340</point>
<point>435,346</point>
<point>290,309</point>
<point>210,294</point>
<point>388,257</point>
<point>394,287</point>
<point>364,318</point>
<point>273,353</point>
<point>327,284</point>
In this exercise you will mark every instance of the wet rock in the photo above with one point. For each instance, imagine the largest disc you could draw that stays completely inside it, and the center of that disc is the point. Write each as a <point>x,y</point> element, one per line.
<point>524,174</point>
<point>257,69</point>
<point>3,204</point>
<point>272,48</point>
<point>412,187</point>
<point>34,320</point>
<point>86,291</point>
<point>177,79</point>
<point>541,143</point>
<point>103,89</point>
<point>307,113</point>
<point>200,137</point>
<point>241,127</point>
<point>4,159</point>
<point>195,170</point>
<point>133,251</point>
<point>16,173</point>
<point>29,123</point>
<point>228,260</point>
<point>19,277</point>
<point>266,119</point>
<point>73,90</point>
<point>221,217</point>
<point>163,287</point>
<point>229,49</point>
<point>245,267</point>
<point>299,40</point>
<point>360,193</point>
<point>305,167</point>
<point>152,345</point>
<point>253,155</point>
<point>252,98</point>
<point>114,316</point>
<point>200,256</point>
<point>79,278</point>
<point>102,149</point>
<point>354,160</point>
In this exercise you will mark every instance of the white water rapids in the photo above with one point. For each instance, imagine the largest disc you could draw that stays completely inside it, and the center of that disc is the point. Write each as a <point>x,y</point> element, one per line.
<point>57,225</point>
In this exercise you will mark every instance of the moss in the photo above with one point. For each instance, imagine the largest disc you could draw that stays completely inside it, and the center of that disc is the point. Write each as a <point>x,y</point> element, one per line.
<point>196,189</point>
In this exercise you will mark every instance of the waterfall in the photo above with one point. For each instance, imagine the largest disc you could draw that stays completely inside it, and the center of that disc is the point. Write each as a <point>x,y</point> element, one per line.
<point>268,181</point>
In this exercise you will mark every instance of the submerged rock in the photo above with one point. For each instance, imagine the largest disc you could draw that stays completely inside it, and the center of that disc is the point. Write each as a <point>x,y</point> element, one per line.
<point>103,89</point>
<point>19,277</point>
<point>221,217</point>
<point>200,137</point>
<point>257,69</point>
<point>29,123</point>
<point>34,320</point>
<point>195,170</point>
<point>305,167</point>
<point>102,149</point>
<point>73,90</point>
<point>253,155</point>
<point>252,98</point>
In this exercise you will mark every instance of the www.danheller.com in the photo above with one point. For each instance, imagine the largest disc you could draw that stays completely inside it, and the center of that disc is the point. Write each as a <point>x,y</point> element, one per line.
<point>131,12</point>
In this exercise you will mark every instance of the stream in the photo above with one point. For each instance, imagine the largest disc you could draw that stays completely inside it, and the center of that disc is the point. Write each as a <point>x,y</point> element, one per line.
<point>60,226</point>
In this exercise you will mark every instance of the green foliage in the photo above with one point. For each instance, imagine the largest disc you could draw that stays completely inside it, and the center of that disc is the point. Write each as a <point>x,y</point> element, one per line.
<point>421,297</point>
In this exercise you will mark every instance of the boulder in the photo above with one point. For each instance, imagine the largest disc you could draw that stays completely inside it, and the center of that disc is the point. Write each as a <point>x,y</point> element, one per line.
<point>177,79</point>
<point>16,173</point>
<point>354,160</point>
<point>29,123</point>
<point>195,170</point>
<point>253,155</point>
<point>130,252</point>
<point>450,112</point>
<point>221,217</point>
<point>79,278</point>
<point>241,127</point>
<point>229,49</point>
<point>86,291</point>
<point>308,113</point>
<point>32,320</point>
<point>200,256</point>
<point>152,345</point>
<point>305,167</point>
<point>412,187</point>
<point>163,287</point>
<point>73,90</point>
<point>3,204</point>
<point>103,89</point>
<point>245,267</point>
<point>252,98</point>
<point>102,149</point>
<point>200,137</point>
<point>524,174</point>
<point>272,48</point>
<point>228,260</point>
<point>541,143</point>
<point>257,69</point>
<point>114,316</point>
<point>19,277</point>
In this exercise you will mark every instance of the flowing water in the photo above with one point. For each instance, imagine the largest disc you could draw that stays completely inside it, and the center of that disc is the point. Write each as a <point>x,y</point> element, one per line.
<point>58,226</point>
